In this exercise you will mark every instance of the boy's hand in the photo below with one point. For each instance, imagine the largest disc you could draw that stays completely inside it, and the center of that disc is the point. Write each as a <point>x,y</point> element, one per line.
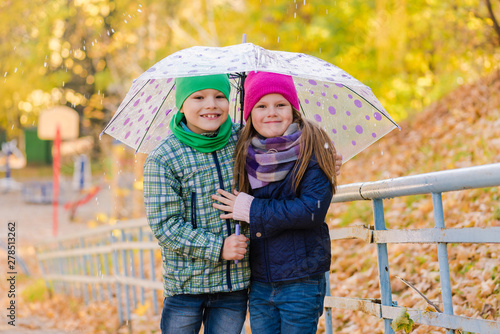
<point>235,247</point>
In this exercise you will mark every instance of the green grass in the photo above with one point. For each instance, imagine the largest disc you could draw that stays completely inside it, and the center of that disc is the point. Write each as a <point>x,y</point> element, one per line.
<point>357,211</point>
<point>36,291</point>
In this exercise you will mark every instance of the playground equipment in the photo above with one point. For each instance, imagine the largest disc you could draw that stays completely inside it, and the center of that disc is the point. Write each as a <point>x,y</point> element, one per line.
<point>82,175</point>
<point>10,158</point>
<point>57,123</point>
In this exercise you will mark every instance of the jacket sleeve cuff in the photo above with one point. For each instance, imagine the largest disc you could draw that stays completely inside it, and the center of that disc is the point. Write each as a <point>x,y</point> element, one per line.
<point>241,208</point>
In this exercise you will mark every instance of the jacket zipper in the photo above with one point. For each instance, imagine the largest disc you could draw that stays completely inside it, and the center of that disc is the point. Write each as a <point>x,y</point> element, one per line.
<point>193,215</point>
<point>228,223</point>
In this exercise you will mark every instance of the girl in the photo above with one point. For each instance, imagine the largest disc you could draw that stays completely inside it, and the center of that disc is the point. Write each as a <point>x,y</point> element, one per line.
<point>201,282</point>
<point>285,170</point>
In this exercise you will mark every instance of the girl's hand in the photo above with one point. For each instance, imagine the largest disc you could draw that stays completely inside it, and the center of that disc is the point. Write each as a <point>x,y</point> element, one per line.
<point>227,199</point>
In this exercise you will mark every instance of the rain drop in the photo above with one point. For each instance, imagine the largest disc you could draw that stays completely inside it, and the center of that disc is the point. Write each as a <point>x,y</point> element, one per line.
<point>381,152</point>
<point>326,146</point>
<point>125,21</point>
<point>15,70</point>
<point>140,11</point>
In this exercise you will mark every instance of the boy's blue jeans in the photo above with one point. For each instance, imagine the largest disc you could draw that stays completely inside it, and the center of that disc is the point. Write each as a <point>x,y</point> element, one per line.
<point>287,307</point>
<point>223,312</point>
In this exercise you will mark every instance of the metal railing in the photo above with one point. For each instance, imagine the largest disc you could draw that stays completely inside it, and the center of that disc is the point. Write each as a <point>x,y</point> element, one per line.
<point>115,263</point>
<point>434,184</point>
<point>118,262</point>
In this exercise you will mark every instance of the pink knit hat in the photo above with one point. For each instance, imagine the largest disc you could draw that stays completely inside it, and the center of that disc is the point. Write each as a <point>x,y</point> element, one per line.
<point>259,84</point>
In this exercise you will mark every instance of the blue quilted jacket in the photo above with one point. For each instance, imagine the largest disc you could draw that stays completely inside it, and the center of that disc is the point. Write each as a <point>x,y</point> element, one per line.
<point>289,235</point>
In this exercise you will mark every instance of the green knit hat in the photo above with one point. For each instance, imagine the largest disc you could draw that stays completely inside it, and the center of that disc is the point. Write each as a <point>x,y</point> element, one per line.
<point>188,85</point>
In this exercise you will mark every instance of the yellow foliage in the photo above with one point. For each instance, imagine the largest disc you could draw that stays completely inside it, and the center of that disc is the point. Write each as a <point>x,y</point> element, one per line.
<point>142,308</point>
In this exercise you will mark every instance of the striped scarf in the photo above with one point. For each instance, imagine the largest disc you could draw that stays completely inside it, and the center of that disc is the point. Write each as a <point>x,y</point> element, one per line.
<point>270,159</point>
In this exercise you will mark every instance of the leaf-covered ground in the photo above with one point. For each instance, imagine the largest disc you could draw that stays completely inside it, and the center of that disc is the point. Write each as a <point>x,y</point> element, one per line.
<point>460,130</point>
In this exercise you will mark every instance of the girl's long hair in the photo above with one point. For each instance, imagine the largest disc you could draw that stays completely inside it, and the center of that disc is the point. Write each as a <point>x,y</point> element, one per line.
<point>313,140</point>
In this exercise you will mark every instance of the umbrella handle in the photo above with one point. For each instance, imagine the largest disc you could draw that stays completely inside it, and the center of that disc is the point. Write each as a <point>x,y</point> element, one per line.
<point>237,232</point>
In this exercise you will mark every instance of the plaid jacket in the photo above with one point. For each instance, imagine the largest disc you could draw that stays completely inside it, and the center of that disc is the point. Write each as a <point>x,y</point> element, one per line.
<point>178,184</point>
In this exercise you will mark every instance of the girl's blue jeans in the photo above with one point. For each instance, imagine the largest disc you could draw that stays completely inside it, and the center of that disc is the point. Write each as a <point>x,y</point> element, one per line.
<point>287,307</point>
<point>223,312</point>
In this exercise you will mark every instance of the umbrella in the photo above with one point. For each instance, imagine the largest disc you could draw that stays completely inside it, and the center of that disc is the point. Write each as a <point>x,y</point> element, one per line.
<point>346,108</point>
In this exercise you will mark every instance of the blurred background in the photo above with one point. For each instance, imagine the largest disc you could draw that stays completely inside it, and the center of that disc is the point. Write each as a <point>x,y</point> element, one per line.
<point>432,64</point>
<point>84,54</point>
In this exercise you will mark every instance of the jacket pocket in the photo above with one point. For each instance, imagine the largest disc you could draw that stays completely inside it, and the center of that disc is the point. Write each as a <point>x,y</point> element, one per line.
<point>193,214</point>
<point>193,210</point>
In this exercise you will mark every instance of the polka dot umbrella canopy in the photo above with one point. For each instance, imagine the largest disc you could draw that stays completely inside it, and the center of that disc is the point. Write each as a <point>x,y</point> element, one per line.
<point>339,103</point>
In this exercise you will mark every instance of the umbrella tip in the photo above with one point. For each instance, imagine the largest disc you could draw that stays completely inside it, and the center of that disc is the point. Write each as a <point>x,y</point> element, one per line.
<point>244,38</point>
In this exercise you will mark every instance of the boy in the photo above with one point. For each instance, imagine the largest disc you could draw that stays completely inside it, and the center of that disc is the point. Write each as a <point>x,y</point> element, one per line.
<point>202,283</point>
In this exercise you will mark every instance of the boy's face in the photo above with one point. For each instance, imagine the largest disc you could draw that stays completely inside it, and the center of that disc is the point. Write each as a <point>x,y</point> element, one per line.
<point>205,110</point>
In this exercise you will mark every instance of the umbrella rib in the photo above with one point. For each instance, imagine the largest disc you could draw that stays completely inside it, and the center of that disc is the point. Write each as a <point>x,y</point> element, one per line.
<point>373,106</point>
<point>154,118</point>
<point>125,106</point>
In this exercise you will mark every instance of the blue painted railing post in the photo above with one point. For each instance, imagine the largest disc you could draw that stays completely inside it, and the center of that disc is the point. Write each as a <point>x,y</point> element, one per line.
<point>84,273</point>
<point>383,262</point>
<point>141,264</point>
<point>106,260</point>
<point>132,271</point>
<point>61,266</point>
<point>152,264</point>
<point>444,268</point>
<point>117,284</point>
<point>99,260</point>
<point>92,273</point>
<point>328,310</point>
<point>125,274</point>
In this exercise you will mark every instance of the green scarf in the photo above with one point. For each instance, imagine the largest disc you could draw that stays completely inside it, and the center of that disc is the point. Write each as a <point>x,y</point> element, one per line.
<point>200,142</point>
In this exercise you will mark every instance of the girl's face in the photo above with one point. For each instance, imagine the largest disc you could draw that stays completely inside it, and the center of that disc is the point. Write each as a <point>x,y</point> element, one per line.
<point>205,110</point>
<point>272,115</point>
